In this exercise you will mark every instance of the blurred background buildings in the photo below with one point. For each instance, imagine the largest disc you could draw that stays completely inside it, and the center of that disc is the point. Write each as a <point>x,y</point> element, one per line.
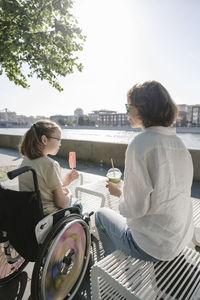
<point>188,116</point>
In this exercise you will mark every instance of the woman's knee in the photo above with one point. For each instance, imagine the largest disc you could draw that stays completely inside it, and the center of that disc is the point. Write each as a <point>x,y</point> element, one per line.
<point>101,213</point>
<point>98,215</point>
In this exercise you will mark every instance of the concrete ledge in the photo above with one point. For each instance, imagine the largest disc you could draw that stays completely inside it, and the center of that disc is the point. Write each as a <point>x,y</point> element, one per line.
<point>9,141</point>
<point>97,152</point>
<point>195,153</point>
<point>89,151</point>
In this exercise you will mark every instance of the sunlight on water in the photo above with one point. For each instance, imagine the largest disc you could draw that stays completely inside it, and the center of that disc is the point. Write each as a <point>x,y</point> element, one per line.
<point>111,136</point>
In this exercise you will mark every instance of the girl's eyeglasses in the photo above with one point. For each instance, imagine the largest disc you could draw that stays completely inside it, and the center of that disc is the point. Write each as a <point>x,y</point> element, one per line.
<point>128,108</point>
<point>52,137</point>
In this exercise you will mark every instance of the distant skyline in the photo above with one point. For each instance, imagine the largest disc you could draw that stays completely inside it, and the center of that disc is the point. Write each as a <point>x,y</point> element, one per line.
<point>128,41</point>
<point>74,114</point>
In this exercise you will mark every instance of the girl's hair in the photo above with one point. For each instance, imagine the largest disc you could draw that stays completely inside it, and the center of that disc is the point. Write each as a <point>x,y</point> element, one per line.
<point>154,104</point>
<point>31,144</point>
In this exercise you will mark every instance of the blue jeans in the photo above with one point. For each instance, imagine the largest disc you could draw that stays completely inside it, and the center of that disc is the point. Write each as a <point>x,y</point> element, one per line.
<point>75,202</point>
<point>115,234</point>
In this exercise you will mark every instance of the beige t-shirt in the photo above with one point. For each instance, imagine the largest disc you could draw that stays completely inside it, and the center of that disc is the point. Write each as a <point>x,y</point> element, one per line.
<point>49,178</point>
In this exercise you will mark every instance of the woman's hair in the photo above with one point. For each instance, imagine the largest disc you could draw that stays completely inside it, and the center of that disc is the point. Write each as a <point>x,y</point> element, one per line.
<point>31,144</point>
<point>154,104</point>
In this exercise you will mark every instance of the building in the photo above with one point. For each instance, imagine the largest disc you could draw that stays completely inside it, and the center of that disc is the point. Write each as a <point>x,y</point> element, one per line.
<point>195,115</point>
<point>113,120</point>
<point>108,118</point>
<point>188,115</point>
<point>63,120</point>
<point>11,119</point>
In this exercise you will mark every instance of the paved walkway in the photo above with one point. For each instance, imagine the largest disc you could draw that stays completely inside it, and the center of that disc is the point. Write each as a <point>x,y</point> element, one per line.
<point>19,288</point>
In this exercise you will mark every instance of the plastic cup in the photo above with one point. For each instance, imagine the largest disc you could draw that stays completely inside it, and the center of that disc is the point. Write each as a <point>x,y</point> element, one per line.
<point>114,175</point>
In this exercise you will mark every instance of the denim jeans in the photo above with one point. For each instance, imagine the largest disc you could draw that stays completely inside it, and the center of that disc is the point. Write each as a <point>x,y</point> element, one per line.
<point>115,234</point>
<point>75,202</point>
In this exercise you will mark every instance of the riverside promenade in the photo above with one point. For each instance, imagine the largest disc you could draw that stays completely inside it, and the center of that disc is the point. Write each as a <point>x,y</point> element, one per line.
<point>19,288</point>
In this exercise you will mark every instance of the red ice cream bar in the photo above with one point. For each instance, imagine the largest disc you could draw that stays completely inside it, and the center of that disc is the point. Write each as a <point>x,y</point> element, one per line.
<point>72,160</point>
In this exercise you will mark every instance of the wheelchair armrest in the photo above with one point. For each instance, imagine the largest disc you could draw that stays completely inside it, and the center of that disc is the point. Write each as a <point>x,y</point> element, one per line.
<point>12,174</point>
<point>81,178</point>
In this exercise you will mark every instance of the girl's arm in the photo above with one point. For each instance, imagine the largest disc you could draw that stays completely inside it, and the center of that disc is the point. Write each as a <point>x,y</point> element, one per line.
<point>69,177</point>
<point>59,197</point>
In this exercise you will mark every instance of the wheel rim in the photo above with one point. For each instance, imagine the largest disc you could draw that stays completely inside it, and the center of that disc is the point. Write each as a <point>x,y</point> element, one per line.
<point>7,270</point>
<point>64,262</point>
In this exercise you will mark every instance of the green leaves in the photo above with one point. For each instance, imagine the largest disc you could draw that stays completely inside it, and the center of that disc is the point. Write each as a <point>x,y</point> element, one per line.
<point>42,34</point>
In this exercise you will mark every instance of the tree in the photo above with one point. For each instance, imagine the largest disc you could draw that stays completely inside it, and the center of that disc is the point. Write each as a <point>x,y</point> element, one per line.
<point>42,34</point>
<point>61,122</point>
<point>69,122</point>
<point>85,121</point>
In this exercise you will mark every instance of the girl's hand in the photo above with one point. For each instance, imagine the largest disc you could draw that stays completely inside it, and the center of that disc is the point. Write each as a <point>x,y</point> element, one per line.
<point>65,190</point>
<point>115,189</point>
<point>69,177</point>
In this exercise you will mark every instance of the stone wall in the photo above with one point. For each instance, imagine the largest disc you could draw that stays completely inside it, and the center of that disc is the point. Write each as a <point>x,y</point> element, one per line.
<point>97,152</point>
<point>9,141</point>
<point>94,151</point>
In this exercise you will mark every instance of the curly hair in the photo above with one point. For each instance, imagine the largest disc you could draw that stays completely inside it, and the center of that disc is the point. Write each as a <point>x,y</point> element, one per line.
<point>31,144</point>
<point>154,104</point>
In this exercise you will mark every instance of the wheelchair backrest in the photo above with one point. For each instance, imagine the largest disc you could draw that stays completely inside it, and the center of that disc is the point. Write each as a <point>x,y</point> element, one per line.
<point>19,214</point>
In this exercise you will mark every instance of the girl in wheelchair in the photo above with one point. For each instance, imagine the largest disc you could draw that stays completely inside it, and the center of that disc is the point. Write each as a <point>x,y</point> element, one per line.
<point>43,225</point>
<point>44,138</point>
<point>59,243</point>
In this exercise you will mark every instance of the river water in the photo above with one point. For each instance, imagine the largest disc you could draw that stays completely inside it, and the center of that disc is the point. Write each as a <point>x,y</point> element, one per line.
<point>191,140</point>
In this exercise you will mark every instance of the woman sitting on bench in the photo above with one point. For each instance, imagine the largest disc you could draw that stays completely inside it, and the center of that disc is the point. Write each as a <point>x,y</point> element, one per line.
<point>156,219</point>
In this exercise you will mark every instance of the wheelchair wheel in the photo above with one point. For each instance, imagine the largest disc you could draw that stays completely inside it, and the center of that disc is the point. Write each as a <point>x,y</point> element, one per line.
<point>9,270</point>
<point>62,261</point>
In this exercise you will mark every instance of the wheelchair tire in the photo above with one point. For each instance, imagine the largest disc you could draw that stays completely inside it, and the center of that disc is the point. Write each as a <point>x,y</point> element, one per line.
<point>9,271</point>
<point>62,261</point>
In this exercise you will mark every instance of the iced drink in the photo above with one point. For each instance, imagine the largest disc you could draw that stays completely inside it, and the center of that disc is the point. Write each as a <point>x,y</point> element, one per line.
<point>114,175</point>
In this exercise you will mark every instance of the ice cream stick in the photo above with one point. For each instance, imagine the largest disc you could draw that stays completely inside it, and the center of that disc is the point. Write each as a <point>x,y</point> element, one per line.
<point>72,160</point>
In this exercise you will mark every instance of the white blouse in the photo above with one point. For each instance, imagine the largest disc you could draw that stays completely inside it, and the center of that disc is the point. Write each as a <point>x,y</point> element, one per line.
<point>156,194</point>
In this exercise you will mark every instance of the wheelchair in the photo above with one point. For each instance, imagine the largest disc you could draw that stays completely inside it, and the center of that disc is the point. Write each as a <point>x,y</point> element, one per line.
<point>58,244</point>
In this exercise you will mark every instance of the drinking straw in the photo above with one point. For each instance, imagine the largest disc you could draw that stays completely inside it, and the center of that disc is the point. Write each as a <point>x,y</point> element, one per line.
<point>113,166</point>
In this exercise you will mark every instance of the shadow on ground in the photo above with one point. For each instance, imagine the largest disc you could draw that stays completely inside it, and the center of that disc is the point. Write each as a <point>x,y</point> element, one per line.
<point>19,287</point>
<point>88,167</point>
<point>10,152</point>
<point>15,288</point>
<point>195,189</point>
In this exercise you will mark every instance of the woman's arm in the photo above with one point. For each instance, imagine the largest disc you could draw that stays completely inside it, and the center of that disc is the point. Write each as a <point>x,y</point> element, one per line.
<point>135,200</point>
<point>115,189</point>
<point>59,198</point>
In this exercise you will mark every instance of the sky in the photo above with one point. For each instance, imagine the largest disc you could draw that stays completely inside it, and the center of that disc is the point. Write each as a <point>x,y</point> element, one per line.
<point>128,41</point>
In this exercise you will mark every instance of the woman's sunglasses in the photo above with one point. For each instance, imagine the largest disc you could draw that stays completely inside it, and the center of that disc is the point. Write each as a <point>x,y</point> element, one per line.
<point>128,108</point>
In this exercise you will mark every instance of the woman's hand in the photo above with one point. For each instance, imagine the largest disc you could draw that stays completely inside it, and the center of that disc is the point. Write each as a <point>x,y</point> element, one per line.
<point>70,176</point>
<point>115,189</point>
